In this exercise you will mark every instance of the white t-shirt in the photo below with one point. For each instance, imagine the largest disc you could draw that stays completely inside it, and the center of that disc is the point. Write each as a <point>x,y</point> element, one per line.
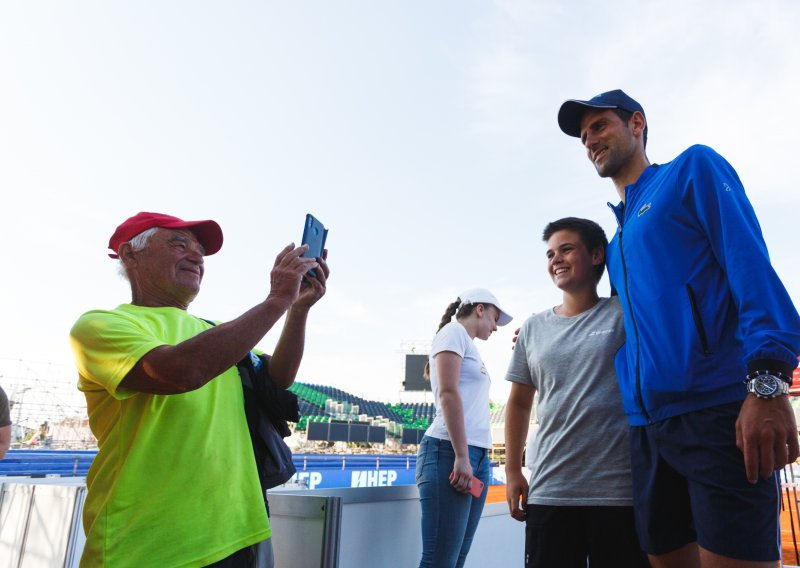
<point>473,386</point>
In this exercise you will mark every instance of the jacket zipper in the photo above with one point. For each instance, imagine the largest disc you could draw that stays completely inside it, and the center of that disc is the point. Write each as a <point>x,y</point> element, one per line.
<point>639,397</point>
<point>698,322</point>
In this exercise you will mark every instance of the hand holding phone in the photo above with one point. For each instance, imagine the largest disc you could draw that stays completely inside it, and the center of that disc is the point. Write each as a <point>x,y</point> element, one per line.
<point>314,235</point>
<point>475,487</point>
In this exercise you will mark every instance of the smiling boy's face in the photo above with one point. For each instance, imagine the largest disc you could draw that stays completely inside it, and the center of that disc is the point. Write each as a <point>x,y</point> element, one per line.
<point>570,264</point>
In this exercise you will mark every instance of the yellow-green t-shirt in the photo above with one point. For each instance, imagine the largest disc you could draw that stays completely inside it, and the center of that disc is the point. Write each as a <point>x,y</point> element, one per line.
<point>174,482</point>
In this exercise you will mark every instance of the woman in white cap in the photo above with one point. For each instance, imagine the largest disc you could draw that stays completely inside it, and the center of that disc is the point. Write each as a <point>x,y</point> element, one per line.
<point>453,454</point>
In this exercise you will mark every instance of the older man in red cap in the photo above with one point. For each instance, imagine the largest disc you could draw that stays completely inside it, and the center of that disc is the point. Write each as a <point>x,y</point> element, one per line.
<point>174,482</point>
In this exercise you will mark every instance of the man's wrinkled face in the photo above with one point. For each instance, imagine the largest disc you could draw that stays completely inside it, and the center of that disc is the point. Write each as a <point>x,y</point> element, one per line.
<point>170,267</point>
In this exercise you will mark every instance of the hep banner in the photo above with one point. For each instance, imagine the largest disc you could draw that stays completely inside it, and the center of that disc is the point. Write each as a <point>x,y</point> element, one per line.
<point>328,479</point>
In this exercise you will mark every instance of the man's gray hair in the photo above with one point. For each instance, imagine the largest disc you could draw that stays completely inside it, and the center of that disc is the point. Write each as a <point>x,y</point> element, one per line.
<point>139,242</point>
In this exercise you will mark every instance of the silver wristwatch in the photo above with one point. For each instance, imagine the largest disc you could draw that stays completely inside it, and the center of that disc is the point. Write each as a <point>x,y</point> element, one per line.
<point>764,384</point>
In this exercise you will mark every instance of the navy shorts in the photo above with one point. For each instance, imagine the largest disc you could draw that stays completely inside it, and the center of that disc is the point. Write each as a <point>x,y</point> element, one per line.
<point>568,536</point>
<point>689,485</point>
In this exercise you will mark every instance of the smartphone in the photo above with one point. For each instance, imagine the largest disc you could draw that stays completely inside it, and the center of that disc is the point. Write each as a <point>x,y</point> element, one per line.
<point>314,235</point>
<point>475,488</point>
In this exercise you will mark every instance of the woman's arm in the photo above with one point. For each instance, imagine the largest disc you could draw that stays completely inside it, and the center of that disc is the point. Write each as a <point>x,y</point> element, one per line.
<point>448,367</point>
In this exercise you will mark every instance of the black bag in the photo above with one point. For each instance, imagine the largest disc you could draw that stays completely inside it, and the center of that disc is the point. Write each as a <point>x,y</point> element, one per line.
<point>268,407</point>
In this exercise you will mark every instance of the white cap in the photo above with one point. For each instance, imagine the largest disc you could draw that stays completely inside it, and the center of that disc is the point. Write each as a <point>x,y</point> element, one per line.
<point>483,296</point>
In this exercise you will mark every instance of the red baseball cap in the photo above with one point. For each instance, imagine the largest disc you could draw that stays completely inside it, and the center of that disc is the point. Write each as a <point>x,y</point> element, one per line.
<point>207,232</point>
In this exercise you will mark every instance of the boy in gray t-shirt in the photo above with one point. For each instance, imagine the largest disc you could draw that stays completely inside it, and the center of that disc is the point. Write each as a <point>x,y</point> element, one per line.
<point>578,503</point>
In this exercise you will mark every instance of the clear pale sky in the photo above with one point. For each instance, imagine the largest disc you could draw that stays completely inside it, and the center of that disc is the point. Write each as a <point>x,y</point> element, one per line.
<point>422,133</point>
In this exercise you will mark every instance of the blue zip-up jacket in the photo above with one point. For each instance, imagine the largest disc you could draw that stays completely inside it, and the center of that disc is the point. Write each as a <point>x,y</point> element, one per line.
<point>703,305</point>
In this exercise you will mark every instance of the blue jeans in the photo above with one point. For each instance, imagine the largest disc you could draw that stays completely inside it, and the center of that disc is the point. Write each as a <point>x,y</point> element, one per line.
<point>449,518</point>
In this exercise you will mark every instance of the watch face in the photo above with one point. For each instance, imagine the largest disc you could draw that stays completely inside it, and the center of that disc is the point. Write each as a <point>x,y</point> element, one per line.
<point>766,385</point>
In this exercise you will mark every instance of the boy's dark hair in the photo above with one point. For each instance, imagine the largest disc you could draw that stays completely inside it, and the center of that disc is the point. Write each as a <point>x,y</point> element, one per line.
<point>591,234</point>
<point>625,116</point>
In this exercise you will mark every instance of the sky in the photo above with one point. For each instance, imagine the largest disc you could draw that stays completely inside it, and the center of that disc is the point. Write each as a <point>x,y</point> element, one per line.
<point>422,133</point>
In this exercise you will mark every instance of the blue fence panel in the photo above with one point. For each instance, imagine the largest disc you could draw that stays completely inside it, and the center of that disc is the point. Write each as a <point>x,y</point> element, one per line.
<point>315,470</point>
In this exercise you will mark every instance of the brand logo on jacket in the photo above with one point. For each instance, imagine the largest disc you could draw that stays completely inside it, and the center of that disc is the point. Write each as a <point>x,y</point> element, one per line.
<point>644,209</point>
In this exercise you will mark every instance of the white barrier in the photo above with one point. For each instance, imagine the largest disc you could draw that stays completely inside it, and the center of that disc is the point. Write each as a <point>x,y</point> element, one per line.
<point>331,528</point>
<point>40,523</point>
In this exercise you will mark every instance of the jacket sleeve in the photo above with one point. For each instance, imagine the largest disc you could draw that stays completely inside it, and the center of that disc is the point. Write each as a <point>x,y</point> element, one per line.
<point>769,324</point>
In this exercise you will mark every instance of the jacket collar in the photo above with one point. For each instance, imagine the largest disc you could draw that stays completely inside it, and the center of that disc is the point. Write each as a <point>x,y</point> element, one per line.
<point>630,190</point>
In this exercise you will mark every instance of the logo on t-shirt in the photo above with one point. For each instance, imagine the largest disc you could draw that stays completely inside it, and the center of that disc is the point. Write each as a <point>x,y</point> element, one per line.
<point>601,332</point>
<point>645,208</point>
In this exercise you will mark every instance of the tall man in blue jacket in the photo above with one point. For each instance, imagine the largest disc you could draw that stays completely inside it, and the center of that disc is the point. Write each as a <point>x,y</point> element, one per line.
<point>712,338</point>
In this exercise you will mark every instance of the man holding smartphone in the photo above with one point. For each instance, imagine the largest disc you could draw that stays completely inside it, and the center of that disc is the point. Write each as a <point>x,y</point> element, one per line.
<point>174,482</point>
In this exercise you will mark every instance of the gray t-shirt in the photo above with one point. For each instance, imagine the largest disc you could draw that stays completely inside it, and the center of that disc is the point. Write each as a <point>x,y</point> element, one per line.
<point>580,453</point>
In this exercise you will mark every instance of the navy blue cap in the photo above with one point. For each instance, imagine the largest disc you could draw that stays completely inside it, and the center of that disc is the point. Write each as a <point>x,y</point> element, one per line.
<point>571,112</point>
